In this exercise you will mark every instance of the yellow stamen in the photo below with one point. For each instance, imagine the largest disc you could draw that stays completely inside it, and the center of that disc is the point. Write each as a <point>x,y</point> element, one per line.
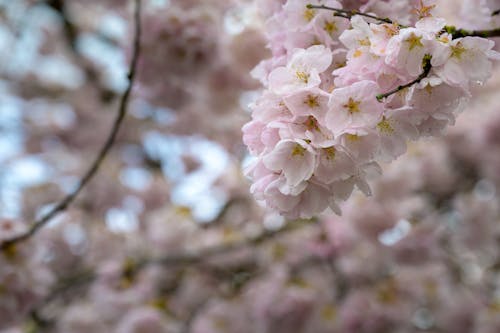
<point>312,101</point>
<point>352,137</point>
<point>428,88</point>
<point>309,14</point>
<point>330,152</point>
<point>391,29</point>
<point>364,42</point>
<point>302,76</point>
<point>423,10</point>
<point>414,41</point>
<point>443,39</point>
<point>457,50</point>
<point>352,106</point>
<point>385,127</point>
<point>330,27</point>
<point>357,53</point>
<point>298,150</point>
<point>312,124</point>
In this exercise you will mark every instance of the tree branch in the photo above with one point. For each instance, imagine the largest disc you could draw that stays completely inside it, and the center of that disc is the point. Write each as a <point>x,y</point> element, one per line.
<point>134,266</point>
<point>426,69</point>
<point>459,33</point>
<point>350,13</point>
<point>94,167</point>
<point>456,33</point>
<point>70,31</point>
<point>203,254</point>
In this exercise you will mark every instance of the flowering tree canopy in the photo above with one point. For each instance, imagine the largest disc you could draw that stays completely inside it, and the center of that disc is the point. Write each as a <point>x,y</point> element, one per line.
<point>249,166</point>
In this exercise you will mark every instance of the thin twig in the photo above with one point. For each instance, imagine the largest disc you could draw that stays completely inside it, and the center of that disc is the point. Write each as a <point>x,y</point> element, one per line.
<point>456,33</point>
<point>427,68</point>
<point>350,13</point>
<point>460,33</point>
<point>94,167</point>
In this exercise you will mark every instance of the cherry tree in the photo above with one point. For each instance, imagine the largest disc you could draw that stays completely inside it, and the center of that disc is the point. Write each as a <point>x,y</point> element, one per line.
<point>249,166</point>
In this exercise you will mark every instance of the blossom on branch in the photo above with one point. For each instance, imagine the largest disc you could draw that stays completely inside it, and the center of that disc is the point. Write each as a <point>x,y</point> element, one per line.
<point>385,84</point>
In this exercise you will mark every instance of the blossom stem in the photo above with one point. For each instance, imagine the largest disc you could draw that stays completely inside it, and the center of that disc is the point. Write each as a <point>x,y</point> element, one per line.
<point>94,167</point>
<point>426,69</point>
<point>350,13</point>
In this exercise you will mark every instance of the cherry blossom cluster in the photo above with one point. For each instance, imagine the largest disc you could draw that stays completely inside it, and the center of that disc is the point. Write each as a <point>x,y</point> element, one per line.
<point>345,93</point>
<point>421,255</point>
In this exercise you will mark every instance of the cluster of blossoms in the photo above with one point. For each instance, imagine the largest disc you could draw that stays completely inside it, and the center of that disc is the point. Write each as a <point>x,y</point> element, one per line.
<point>344,94</point>
<point>420,256</point>
<point>201,47</point>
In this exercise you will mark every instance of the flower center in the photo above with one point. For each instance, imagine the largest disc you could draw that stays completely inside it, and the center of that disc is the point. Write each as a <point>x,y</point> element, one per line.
<point>311,101</point>
<point>298,150</point>
<point>457,50</point>
<point>352,106</point>
<point>309,14</point>
<point>330,27</point>
<point>302,76</point>
<point>330,152</point>
<point>385,127</point>
<point>414,41</point>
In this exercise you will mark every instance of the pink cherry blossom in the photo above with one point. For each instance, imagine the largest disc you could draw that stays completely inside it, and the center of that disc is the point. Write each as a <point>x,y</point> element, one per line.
<point>354,106</point>
<point>302,70</point>
<point>295,158</point>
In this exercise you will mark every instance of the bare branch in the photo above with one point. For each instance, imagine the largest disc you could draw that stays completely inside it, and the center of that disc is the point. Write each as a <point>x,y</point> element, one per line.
<point>94,167</point>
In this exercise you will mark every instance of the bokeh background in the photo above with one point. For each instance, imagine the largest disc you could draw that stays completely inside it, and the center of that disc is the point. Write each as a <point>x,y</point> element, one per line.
<point>167,238</point>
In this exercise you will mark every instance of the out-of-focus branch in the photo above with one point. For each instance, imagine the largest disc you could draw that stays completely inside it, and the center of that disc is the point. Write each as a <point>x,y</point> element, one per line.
<point>204,254</point>
<point>94,167</point>
<point>173,260</point>
<point>71,34</point>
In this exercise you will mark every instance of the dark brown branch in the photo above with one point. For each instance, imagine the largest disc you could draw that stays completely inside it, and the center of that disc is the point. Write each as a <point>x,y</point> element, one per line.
<point>456,33</point>
<point>94,167</point>
<point>350,13</point>
<point>426,69</point>
<point>459,33</point>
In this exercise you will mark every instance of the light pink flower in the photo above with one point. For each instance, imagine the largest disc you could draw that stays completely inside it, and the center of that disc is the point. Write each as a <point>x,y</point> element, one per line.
<point>302,70</point>
<point>354,106</point>
<point>295,158</point>
<point>455,62</point>
<point>333,164</point>
<point>406,50</point>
